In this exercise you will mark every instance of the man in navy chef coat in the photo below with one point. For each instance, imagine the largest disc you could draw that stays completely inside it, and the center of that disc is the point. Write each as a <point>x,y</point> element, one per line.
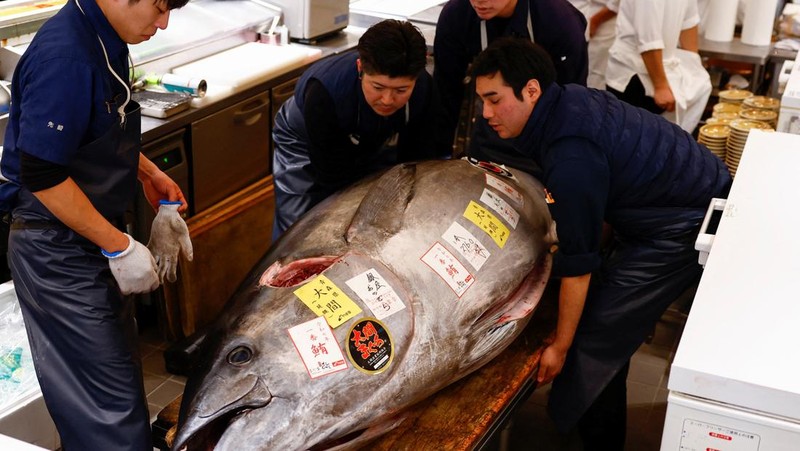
<point>72,157</point>
<point>354,114</point>
<point>602,160</point>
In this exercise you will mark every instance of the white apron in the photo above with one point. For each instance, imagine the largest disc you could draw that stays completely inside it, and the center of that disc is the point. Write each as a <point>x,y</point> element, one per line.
<point>691,87</point>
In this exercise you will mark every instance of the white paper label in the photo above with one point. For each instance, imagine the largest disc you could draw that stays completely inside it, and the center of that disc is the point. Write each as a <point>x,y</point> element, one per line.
<point>506,189</point>
<point>441,261</point>
<point>467,245</point>
<point>502,208</point>
<point>317,347</point>
<point>376,293</point>
<point>701,436</point>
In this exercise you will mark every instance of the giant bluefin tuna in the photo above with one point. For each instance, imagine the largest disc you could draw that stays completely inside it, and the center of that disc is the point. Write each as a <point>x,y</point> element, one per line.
<point>375,299</point>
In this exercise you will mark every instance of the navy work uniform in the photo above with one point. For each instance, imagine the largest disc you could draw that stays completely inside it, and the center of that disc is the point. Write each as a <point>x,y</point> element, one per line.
<point>70,109</point>
<point>327,136</point>
<point>604,160</point>
<point>555,25</point>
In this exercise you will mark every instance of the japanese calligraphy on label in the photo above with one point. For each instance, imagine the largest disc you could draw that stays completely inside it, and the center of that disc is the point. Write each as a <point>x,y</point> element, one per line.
<point>376,293</point>
<point>326,299</point>
<point>369,346</point>
<point>506,189</point>
<point>487,222</point>
<point>467,245</point>
<point>317,347</point>
<point>499,205</point>
<point>442,262</point>
<point>706,436</point>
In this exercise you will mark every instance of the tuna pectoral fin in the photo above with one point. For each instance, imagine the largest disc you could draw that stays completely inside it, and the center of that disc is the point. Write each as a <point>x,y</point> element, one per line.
<point>384,205</point>
<point>495,340</point>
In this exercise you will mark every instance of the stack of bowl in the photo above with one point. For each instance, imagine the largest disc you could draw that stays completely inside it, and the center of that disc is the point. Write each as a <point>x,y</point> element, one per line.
<point>762,103</point>
<point>735,96</point>
<point>715,137</point>
<point>734,148</point>
<point>761,108</point>
<point>768,116</point>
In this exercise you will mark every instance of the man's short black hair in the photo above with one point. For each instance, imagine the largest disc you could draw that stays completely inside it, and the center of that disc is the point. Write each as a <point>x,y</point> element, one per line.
<point>518,60</point>
<point>170,4</point>
<point>394,48</point>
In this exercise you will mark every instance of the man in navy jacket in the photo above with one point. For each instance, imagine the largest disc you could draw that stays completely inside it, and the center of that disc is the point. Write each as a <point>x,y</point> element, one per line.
<point>354,114</point>
<point>602,160</point>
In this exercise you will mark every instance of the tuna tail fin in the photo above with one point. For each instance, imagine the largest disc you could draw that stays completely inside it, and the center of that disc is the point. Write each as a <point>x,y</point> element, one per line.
<point>384,205</point>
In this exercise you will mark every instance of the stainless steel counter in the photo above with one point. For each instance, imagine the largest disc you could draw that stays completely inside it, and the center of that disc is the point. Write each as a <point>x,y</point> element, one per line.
<point>736,51</point>
<point>153,128</point>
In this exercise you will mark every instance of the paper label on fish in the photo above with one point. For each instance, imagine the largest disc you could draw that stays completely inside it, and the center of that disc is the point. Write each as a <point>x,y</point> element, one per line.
<point>325,299</point>
<point>499,205</point>
<point>379,296</point>
<point>445,264</point>
<point>369,346</point>
<point>467,245</point>
<point>316,344</point>
<point>506,189</point>
<point>488,222</point>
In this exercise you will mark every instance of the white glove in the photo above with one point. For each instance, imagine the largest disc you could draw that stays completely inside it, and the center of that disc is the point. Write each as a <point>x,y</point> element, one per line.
<point>168,235</point>
<point>134,268</point>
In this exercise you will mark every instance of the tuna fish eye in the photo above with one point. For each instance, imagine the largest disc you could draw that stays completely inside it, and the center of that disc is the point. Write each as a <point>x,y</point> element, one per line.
<point>240,356</point>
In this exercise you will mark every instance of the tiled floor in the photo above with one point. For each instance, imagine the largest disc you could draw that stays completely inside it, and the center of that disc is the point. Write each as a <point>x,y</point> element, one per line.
<point>530,428</point>
<point>161,387</point>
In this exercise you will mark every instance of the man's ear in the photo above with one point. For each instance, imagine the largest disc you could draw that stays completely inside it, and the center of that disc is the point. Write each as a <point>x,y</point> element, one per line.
<point>532,89</point>
<point>358,68</point>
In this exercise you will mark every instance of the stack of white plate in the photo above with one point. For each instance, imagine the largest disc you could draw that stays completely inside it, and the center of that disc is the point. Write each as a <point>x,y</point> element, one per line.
<point>768,116</point>
<point>715,137</point>
<point>734,95</point>
<point>740,129</point>
<point>762,103</point>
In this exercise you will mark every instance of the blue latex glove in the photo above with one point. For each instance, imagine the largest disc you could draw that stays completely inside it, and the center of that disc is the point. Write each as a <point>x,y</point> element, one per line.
<point>168,236</point>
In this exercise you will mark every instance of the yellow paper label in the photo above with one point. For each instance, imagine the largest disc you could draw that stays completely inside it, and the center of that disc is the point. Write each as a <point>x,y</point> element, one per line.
<point>488,222</point>
<point>326,299</point>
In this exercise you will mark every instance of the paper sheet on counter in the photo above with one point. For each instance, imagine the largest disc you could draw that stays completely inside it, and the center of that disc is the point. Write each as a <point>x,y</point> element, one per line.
<point>394,7</point>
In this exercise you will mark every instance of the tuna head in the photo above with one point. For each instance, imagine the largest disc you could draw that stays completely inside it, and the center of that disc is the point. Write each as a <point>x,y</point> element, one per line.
<point>375,299</point>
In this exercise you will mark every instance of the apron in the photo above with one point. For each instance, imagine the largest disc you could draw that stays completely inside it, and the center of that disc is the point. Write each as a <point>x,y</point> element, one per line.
<point>295,190</point>
<point>81,330</point>
<point>487,145</point>
<point>691,86</point>
<point>650,263</point>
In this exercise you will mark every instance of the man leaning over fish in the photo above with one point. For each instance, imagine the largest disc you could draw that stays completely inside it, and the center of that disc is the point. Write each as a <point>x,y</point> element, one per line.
<point>355,114</point>
<point>602,160</point>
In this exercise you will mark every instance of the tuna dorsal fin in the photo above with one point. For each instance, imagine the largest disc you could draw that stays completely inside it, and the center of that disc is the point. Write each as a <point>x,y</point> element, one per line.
<point>383,207</point>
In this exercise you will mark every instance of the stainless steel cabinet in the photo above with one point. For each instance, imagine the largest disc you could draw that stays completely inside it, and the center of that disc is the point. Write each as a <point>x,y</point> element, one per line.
<point>230,150</point>
<point>281,94</point>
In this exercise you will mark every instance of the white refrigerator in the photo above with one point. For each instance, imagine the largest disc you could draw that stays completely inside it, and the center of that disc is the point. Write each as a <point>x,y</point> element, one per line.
<point>734,384</point>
